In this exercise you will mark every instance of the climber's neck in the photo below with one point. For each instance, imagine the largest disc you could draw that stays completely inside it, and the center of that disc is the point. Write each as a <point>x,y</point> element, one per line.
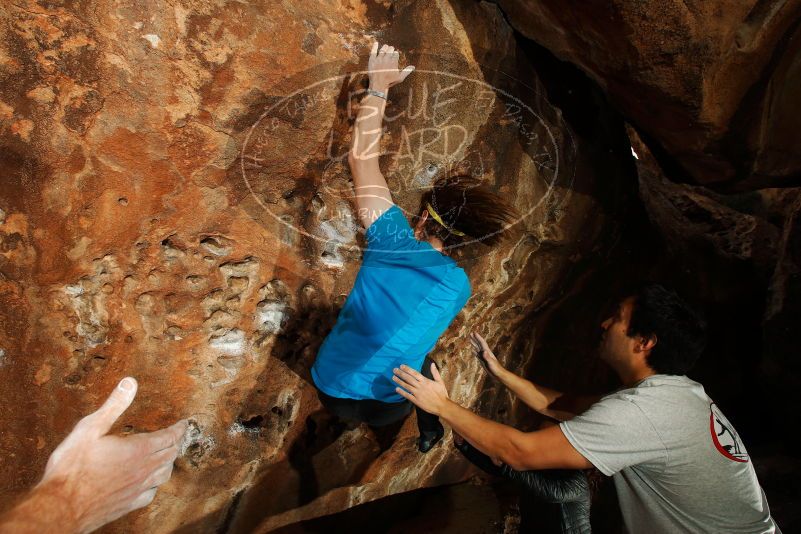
<point>436,243</point>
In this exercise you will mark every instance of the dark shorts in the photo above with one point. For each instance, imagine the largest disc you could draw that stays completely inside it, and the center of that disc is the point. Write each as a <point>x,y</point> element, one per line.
<point>373,412</point>
<point>377,414</point>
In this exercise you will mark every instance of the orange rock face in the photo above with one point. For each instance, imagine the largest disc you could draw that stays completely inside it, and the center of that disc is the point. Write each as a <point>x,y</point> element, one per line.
<point>176,206</point>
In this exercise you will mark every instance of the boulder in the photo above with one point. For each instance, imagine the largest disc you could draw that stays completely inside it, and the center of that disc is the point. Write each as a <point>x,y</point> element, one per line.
<point>711,85</point>
<point>176,206</point>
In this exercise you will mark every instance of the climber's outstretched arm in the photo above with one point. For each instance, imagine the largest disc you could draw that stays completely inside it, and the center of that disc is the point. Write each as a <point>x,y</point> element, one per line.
<point>372,194</point>
<point>543,449</point>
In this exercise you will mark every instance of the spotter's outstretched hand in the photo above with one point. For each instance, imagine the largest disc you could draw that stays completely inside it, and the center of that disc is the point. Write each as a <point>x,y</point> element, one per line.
<point>430,395</point>
<point>485,355</point>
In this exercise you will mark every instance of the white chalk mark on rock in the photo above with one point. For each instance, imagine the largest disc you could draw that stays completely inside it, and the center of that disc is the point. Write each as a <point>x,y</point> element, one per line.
<point>196,444</point>
<point>230,342</point>
<point>217,245</point>
<point>239,428</point>
<point>270,316</point>
<point>88,301</point>
<point>338,231</point>
<point>153,39</point>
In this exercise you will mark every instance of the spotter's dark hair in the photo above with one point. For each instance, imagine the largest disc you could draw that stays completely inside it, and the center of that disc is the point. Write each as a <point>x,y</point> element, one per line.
<point>679,330</point>
<point>470,206</point>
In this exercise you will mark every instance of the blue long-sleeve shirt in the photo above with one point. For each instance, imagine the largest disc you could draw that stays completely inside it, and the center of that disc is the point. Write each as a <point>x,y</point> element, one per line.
<point>404,297</point>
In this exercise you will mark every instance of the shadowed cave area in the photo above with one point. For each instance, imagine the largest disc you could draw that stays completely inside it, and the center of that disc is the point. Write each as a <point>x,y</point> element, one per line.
<point>176,205</point>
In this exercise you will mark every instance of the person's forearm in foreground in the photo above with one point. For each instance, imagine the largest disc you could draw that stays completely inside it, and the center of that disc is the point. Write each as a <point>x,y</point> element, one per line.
<point>45,509</point>
<point>93,477</point>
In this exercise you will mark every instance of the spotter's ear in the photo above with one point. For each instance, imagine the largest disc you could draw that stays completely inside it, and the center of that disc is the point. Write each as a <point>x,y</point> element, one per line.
<point>646,343</point>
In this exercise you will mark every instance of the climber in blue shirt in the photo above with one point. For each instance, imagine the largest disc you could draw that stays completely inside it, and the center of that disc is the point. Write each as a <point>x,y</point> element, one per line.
<point>408,289</point>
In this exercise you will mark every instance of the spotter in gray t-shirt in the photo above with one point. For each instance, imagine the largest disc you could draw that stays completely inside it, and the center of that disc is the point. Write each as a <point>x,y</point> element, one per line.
<point>678,463</point>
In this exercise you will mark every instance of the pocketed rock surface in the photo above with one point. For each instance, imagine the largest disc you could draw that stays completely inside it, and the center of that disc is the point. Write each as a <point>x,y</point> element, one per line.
<point>176,206</point>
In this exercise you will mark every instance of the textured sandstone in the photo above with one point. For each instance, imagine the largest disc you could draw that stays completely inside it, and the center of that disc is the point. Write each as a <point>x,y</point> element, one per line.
<point>175,205</point>
<point>172,210</point>
<point>713,84</point>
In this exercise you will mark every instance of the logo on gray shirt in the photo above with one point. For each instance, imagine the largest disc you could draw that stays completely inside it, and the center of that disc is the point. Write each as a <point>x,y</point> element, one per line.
<point>725,437</point>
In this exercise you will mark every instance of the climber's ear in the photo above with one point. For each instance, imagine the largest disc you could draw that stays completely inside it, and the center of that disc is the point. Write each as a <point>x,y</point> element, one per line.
<point>418,228</point>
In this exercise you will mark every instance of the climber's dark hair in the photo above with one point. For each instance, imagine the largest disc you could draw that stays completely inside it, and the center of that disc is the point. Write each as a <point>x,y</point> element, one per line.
<point>680,332</point>
<point>467,205</point>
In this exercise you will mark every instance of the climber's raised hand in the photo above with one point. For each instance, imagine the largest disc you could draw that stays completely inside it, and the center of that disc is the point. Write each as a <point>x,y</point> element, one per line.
<point>93,478</point>
<point>382,67</point>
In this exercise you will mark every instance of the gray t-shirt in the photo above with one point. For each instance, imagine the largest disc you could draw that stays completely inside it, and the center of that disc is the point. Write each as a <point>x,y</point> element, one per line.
<point>678,464</point>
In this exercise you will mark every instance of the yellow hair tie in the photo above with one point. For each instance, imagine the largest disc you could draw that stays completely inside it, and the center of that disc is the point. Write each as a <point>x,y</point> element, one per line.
<point>439,220</point>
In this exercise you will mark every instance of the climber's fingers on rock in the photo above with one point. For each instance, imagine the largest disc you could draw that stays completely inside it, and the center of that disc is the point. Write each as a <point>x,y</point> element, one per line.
<point>165,438</point>
<point>406,71</point>
<point>160,475</point>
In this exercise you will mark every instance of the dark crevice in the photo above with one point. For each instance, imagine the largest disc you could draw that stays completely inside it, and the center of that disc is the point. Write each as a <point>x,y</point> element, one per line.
<point>253,422</point>
<point>225,526</point>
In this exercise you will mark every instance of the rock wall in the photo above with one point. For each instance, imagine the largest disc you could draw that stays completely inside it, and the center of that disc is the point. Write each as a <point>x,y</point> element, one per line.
<point>175,205</point>
<point>711,85</point>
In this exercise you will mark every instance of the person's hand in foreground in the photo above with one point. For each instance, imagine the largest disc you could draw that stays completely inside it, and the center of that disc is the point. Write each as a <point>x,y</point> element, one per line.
<point>430,395</point>
<point>92,478</point>
<point>486,356</point>
<point>382,67</point>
